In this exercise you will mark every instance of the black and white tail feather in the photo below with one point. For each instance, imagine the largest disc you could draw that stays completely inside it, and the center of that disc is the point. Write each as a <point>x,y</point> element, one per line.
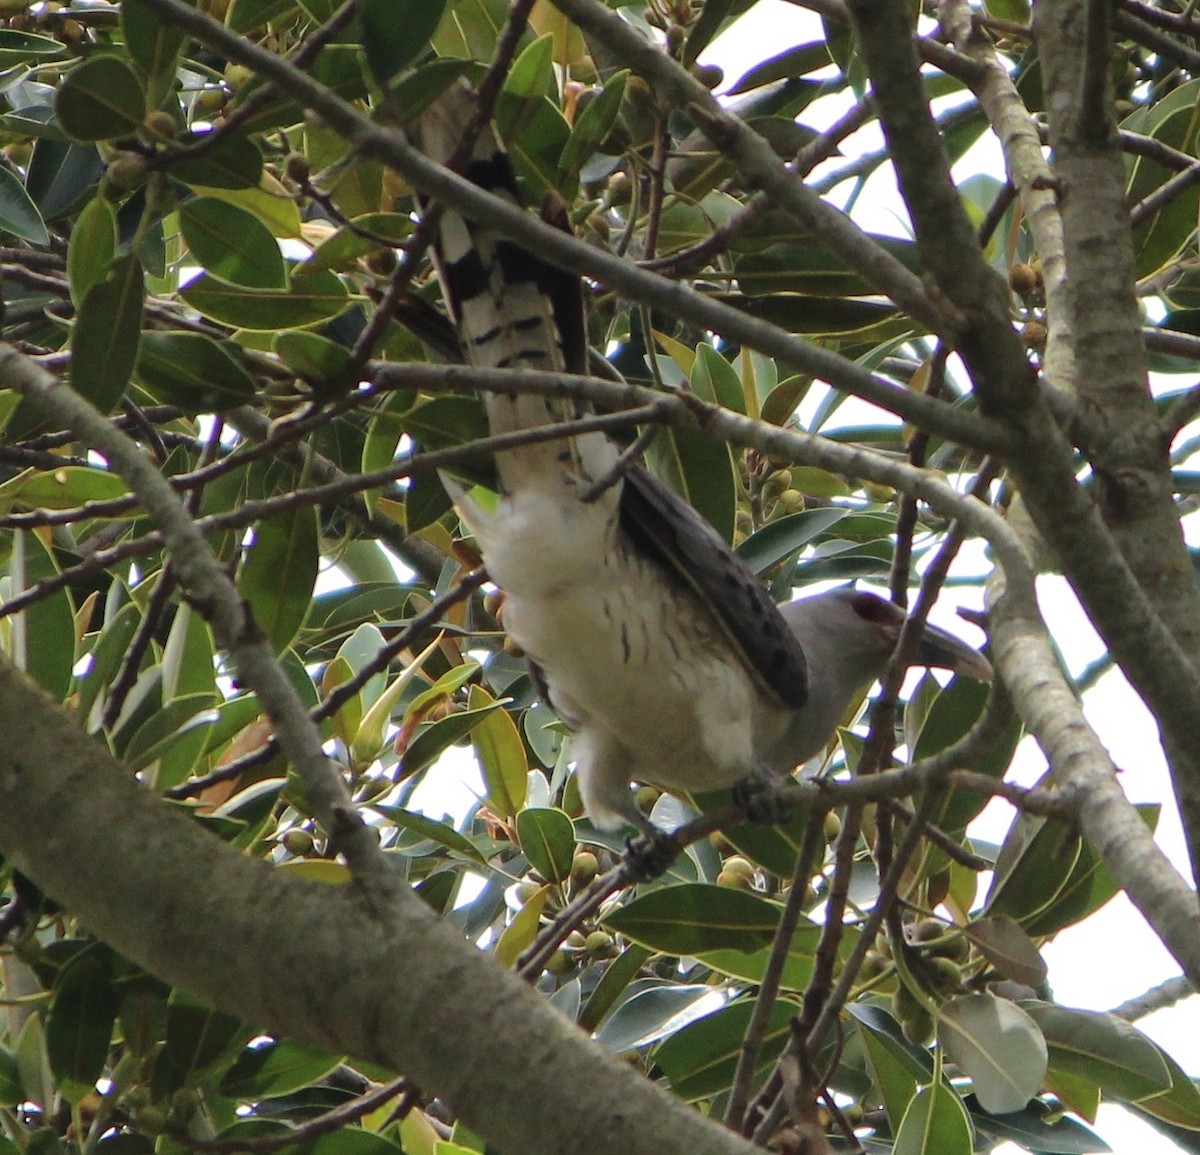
<point>658,646</point>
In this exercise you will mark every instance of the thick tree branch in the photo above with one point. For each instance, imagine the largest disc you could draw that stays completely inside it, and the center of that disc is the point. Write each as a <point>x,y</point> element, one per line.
<point>316,962</point>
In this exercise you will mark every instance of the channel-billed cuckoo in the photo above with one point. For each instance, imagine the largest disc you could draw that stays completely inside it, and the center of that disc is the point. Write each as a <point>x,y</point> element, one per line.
<point>651,638</point>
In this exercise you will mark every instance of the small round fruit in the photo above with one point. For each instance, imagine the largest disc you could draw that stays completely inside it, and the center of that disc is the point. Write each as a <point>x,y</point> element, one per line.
<point>297,167</point>
<point>832,826</point>
<point>1022,279</point>
<point>126,171</point>
<point>584,867</point>
<point>735,880</point>
<point>298,842</point>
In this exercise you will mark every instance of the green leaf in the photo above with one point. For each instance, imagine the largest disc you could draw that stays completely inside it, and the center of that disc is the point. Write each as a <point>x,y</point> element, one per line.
<point>715,380</point>
<point>191,371</point>
<point>696,917</point>
<point>104,340</point>
<point>45,648</point>
<point>701,468</point>
<point>1102,1049</point>
<point>786,536</point>
<point>100,99</point>
<point>232,162</point>
<point>428,828</point>
<point>153,46</point>
<point>936,1123</point>
<point>998,1045</point>
<point>890,1065</point>
<point>383,436</point>
<point>65,488</point>
<point>18,214</point>
<point>313,357</point>
<point>92,247</point>
<point>593,125</point>
<point>79,1025</point>
<point>1181,1104</point>
<point>1009,949</point>
<point>27,48</point>
<point>547,835</point>
<point>232,244</point>
<point>197,1037</point>
<point>700,1059</point>
<point>651,1013</point>
<point>311,299</point>
<point>276,1068</point>
<point>433,740</point>
<point>396,32</point>
<point>249,15</point>
<point>501,755</point>
<point>280,571</point>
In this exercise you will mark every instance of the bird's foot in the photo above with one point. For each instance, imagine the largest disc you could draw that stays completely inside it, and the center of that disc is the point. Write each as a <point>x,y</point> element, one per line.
<point>759,795</point>
<point>650,853</point>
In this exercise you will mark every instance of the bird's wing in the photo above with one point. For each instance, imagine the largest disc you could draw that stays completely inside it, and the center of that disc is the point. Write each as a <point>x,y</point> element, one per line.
<point>514,309</point>
<point>667,528</point>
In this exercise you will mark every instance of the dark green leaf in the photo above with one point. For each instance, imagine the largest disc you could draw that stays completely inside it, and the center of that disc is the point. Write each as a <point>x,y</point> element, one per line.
<point>249,15</point>
<point>700,1060</point>
<point>191,371</point>
<point>233,162</point>
<point>18,213</point>
<point>100,99</point>
<point>49,633</point>
<point>27,48</point>
<point>275,1068</point>
<point>104,341</point>
<point>79,1025</point>
<point>694,918</point>
<point>232,244</point>
<point>313,357</point>
<point>279,573</point>
<point>396,32</point>
<point>153,46</point>
<point>547,836</point>
<point>311,299</point>
<point>1103,1050</point>
<point>92,247</point>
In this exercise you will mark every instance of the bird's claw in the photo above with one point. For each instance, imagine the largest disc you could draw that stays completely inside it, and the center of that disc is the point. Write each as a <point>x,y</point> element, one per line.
<point>760,797</point>
<point>650,853</point>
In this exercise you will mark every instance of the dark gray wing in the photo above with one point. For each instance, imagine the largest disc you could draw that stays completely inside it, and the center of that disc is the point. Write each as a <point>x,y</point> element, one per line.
<point>660,523</point>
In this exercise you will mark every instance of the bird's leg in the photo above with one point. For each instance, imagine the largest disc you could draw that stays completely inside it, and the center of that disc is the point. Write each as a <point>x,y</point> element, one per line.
<point>650,853</point>
<point>759,795</point>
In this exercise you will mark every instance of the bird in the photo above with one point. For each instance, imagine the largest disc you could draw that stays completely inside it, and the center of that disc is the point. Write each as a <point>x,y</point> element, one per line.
<point>652,640</point>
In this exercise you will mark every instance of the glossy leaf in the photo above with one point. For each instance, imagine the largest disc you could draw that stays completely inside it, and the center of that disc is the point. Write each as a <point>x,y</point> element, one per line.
<point>309,301</point>
<point>700,1059</point>
<point>998,1045</point>
<point>44,642</point>
<point>689,920</point>
<point>100,99</point>
<point>396,32</point>
<point>92,247</point>
<point>1102,1049</point>
<point>79,1025</point>
<point>18,214</point>
<point>275,1068</point>
<point>232,244</point>
<point>104,341</point>
<point>191,371</point>
<point>936,1123</point>
<point>279,573</point>
<point>501,755</point>
<point>547,836</point>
